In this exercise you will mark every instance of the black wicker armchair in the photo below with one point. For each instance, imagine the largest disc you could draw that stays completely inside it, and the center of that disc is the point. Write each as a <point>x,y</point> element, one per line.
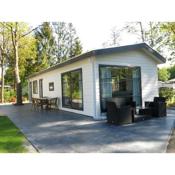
<point>158,107</point>
<point>119,112</point>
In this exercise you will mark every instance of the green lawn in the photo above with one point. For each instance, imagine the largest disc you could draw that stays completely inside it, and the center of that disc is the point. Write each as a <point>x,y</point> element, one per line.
<point>11,139</point>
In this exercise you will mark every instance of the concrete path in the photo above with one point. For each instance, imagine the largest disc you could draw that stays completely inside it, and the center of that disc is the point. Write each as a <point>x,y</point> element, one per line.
<point>58,131</point>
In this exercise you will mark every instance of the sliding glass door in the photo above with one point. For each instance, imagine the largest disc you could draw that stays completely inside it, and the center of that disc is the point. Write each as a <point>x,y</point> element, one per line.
<point>72,89</point>
<point>117,81</point>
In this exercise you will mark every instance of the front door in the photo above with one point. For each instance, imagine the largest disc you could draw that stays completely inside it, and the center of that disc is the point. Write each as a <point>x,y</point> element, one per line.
<point>41,88</point>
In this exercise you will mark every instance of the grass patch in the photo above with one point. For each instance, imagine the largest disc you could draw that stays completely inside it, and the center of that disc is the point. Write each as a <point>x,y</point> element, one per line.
<point>11,139</point>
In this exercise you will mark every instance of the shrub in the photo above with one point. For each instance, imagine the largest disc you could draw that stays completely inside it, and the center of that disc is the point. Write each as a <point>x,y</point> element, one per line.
<point>9,95</point>
<point>166,92</point>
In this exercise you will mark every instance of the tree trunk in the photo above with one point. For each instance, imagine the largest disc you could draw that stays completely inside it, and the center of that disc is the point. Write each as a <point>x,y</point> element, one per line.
<point>17,77</point>
<point>151,35</point>
<point>142,32</point>
<point>2,48</point>
<point>2,79</point>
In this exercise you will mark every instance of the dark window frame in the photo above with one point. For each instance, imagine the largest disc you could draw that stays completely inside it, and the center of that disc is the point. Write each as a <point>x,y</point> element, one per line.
<point>69,72</point>
<point>120,66</point>
<point>35,91</point>
<point>52,85</point>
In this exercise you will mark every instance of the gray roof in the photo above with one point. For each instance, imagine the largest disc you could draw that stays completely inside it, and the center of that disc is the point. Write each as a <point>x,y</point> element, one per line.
<point>102,52</point>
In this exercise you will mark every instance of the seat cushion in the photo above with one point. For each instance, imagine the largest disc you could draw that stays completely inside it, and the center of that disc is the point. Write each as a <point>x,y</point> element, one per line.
<point>159,99</point>
<point>120,101</point>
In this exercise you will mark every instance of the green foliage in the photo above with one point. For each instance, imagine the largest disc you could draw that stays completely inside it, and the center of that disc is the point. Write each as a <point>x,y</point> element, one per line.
<point>168,28</point>
<point>9,76</point>
<point>67,43</point>
<point>51,43</point>
<point>9,95</point>
<point>156,38</point>
<point>27,58</point>
<point>55,43</point>
<point>45,45</point>
<point>77,48</point>
<point>166,92</point>
<point>11,139</point>
<point>172,71</point>
<point>163,74</point>
<point>27,55</point>
<point>5,44</point>
<point>148,32</point>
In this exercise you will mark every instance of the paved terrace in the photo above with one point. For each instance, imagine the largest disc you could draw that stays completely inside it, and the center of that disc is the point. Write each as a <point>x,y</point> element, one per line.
<point>59,131</point>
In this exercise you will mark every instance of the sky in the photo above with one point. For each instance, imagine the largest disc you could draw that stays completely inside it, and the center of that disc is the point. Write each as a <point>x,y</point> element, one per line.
<point>93,19</point>
<point>94,37</point>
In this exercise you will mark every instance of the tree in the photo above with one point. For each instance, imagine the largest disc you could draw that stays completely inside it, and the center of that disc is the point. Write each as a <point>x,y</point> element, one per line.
<point>9,77</point>
<point>172,71</point>
<point>74,44</point>
<point>17,30</point>
<point>60,31</point>
<point>67,42</point>
<point>45,43</point>
<point>77,48</point>
<point>168,29</point>
<point>114,38</point>
<point>28,58</point>
<point>136,28</point>
<point>71,39</point>
<point>15,35</point>
<point>29,54</point>
<point>141,31</point>
<point>166,92</point>
<point>163,74</point>
<point>4,52</point>
<point>156,38</point>
<point>150,33</point>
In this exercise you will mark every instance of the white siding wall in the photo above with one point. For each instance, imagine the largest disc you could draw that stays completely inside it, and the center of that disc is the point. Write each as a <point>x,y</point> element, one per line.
<point>149,78</point>
<point>55,76</point>
<point>90,71</point>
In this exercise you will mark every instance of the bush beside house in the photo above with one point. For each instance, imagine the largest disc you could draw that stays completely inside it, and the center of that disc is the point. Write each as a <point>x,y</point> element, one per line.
<point>169,94</point>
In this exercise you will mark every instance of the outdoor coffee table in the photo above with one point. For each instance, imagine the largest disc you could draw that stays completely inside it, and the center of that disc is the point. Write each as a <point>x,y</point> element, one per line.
<point>143,113</point>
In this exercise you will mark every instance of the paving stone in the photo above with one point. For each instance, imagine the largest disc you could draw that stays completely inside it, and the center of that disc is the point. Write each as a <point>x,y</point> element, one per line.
<point>60,131</point>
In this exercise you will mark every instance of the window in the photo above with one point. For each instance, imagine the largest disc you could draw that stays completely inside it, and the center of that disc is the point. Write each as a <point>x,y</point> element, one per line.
<point>35,87</point>
<point>72,90</point>
<point>51,86</point>
<point>119,81</point>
